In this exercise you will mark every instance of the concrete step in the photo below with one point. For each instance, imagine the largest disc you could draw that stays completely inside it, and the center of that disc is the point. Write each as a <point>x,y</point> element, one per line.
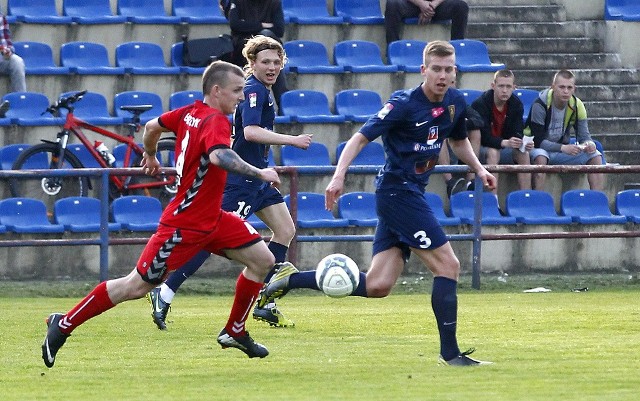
<point>554,61</point>
<point>598,92</point>
<point>517,13</point>
<point>543,45</point>
<point>613,108</point>
<point>624,157</point>
<point>593,76</point>
<point>541,30</point>
<point>619,141</point>
<point>599,125</point>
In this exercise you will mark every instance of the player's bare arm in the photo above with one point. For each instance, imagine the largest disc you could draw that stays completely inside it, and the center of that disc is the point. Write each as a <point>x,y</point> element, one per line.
<point>255,133</point>
<point>230,161</point>
<point>351,149</point>
<point>464,151</point>
<point>150,138</point>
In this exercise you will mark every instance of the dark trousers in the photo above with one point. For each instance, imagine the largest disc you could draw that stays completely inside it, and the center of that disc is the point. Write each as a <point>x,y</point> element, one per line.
<point>396,10</point>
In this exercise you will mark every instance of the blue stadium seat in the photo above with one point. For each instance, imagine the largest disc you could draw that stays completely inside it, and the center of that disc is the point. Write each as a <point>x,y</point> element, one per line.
<point>91,12</point>
<point>27,109</point>
<point>308,106</point>
<point>589,207</point>
<point>308,12</point>
<point>80,214</point>
<point>87,58</point>
<point>309,57</point>
<point>628,204</point>
<point>473,56</point>
<point>359,208</point>
<point>120,152</point>
<point>533,207</point>
<point>145,12</point>
<point>406,54</point>
<point>311,212</point>
<point>178,61</point>
<point>360,56</point>
<point>183,98</point>
<point>357,105</point>
<point>256,222</point>
<point>36,12</point>
<point>93,109</point>
<point>626,10</point>
<point>371,155</point>
<point>38,59</point>
<point>9,154</point>
<point>527,97</point>
<point>132,98</point>
<point>437,207</point>
<point>316,155</point>
<point>470,95</point>
<point>25,215</point>
<point>198,11</point>
<point>143,58</point>
<point>359,12</point>
<point>83,154</point>
<point>462,205</point>
<point>137,213</point>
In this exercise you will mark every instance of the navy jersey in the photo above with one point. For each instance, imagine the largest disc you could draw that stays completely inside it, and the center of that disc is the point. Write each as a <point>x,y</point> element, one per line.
<point>412,130</point>
<point>256,109</point>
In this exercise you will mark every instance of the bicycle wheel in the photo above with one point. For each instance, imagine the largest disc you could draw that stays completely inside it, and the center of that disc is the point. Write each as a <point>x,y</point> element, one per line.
<point>162,186</point>
<point>47,189</point>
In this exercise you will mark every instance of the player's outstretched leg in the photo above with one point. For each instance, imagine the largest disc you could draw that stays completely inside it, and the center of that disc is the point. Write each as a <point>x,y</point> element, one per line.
<point>53,341</point>
<point>278,286</point>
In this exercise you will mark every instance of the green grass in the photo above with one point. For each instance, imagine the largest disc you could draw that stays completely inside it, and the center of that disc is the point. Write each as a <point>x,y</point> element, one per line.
<point>552,346</point>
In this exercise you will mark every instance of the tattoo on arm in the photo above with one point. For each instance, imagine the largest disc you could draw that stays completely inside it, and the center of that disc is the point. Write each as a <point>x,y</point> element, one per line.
<point>230,161</point>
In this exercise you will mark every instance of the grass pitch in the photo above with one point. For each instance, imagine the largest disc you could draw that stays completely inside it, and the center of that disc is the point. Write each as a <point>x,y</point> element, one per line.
<point>549,346</point>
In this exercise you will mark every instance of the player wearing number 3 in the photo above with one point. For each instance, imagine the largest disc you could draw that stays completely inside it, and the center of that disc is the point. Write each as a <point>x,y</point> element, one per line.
<point>413,125</point>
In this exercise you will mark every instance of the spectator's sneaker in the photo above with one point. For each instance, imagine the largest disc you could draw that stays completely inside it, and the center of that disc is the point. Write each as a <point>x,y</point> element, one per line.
<point>244,343</point>
<point>54,340</point>
<point>4,107</point>
<point>270,314</point>
<point>159,308</point>
<point>463,360</point>
<point>278,286</point>
<point>454,186</point>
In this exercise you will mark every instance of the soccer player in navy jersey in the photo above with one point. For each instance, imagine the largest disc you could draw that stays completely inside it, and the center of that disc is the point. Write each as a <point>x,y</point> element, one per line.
<point>413,125</point>
<point>253,135</point>
<point>193,220</point>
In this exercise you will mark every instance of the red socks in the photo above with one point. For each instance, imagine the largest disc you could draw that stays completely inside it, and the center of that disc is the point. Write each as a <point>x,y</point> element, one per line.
<point>92,305</point>
<point>246,294</point>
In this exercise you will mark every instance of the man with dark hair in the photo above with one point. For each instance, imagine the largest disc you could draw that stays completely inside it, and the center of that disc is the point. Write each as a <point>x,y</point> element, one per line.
<point>193,220</point>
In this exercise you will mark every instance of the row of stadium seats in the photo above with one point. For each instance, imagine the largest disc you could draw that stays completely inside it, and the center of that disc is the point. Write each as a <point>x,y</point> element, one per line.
<point>365,12</point>
<point>78,214</point>
<point>304,57</point>
<point>141,213</point>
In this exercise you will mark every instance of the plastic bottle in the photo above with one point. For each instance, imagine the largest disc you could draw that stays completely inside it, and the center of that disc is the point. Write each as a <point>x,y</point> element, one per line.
<point>104,152</point>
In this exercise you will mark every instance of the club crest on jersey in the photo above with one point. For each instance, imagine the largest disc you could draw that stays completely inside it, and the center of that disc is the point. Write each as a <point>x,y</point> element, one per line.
<point>452,112</point>
<point>433,135</point>
<point>385,110</point>
<point>253,99</point>
<point>437,112</point>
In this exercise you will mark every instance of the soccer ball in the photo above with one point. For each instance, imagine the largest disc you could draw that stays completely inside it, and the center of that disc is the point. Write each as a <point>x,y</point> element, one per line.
<point>337,275</point>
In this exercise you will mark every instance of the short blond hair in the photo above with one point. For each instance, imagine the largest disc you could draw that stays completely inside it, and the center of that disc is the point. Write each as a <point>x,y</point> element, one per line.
<point>438,48</point>
<point>217,73</point>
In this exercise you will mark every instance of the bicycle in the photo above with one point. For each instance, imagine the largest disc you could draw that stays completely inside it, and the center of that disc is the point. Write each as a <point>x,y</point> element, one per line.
<point>56,155</point>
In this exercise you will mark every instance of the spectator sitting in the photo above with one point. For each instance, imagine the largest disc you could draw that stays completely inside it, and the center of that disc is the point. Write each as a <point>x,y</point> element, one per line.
<point>553,114</point>
<point>248,18</point>
<point>426,10</point>
<point>10,64</point>
<point>502,131</point>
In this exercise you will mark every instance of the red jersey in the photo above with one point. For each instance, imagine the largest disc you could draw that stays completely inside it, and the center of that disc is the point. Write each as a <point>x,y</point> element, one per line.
<point>199,129</point>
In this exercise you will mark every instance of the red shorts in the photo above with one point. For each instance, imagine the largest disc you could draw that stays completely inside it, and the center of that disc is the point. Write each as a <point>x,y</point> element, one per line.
<point>170,248</point>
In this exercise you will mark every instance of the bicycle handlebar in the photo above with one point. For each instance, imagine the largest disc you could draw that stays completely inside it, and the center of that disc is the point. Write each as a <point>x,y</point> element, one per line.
<point>65,103</point>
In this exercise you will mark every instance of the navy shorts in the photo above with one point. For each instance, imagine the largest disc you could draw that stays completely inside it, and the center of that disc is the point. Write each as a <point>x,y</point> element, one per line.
<point>244,201</point>
<point>405,220</point>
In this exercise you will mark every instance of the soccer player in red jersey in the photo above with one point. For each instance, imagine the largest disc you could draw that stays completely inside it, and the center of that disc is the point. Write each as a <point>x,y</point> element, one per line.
<point>194,220</point>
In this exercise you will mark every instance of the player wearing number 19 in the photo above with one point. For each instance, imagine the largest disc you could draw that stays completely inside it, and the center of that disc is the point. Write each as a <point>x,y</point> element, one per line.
<point>413,126</point>
<point>193,220</point>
